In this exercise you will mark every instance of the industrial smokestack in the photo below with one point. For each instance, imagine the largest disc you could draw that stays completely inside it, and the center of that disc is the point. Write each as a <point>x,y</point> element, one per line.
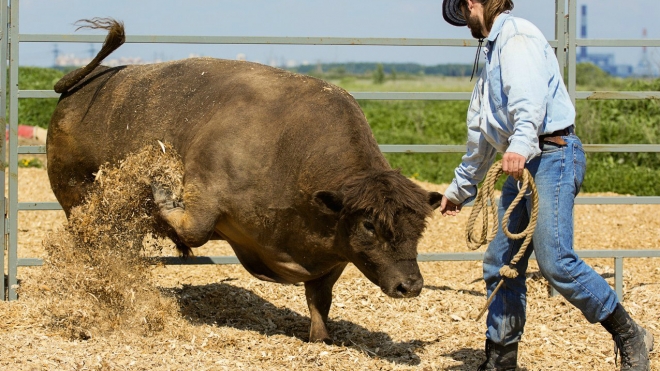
<point>583,31</point>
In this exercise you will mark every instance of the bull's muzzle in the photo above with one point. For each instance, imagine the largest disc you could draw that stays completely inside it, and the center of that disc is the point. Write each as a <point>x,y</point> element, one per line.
<point>404,287</point>
<point>409,288</point>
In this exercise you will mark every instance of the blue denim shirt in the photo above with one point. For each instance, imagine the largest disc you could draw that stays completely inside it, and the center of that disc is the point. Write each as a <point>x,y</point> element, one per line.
<point>519,96</point>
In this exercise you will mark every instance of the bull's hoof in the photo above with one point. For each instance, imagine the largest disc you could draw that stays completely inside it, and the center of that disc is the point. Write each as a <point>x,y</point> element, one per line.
<point>325,340</point>
<point>163,198</point>
<point>319,335</point>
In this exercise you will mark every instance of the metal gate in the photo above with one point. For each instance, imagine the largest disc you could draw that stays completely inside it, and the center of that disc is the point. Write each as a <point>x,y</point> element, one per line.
<point>565,43</point>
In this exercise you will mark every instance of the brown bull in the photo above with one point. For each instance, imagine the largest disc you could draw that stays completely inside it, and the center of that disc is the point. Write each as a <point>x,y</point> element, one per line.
<point>282,166</point>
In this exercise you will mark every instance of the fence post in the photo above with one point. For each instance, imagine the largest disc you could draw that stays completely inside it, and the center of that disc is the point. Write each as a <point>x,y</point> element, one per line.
<point>618,277</point>
<point>560,34</point>
<point>572,49</point>
<point>12,226</point>
<point>4,35</point>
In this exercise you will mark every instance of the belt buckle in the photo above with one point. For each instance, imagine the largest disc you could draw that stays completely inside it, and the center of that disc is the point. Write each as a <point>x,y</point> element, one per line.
<point>558,140</point>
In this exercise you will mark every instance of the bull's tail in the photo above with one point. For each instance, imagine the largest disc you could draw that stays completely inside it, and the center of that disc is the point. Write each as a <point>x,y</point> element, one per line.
<point>113,40</point>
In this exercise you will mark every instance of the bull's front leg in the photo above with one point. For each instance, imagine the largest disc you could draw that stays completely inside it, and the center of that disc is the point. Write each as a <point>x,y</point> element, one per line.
<point>319,299</point>
<point>193,220</point>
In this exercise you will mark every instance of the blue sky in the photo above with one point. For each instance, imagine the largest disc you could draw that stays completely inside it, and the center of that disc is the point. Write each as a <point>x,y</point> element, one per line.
<point>316,18</point>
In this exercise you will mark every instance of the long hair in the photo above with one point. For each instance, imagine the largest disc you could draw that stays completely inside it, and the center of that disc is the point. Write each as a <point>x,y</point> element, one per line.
<point>493,8</point>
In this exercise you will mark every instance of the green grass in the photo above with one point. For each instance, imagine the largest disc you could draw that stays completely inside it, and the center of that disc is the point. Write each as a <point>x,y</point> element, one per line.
<point>37,112</point>
<point>443,122</point>
<point>30,162</point>
<point>606,175</point>
<point>406,84</point>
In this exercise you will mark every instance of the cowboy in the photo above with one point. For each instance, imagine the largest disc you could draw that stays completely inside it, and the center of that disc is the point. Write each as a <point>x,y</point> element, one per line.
<point>520,107</point>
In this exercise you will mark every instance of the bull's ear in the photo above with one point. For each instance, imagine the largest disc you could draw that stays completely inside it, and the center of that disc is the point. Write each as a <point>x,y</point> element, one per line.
<point>434,199</point>
<point>329,202</point>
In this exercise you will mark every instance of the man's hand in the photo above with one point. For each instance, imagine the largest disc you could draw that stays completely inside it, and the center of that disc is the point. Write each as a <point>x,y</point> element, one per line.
<point>513,164</point>
<point>449,208</point>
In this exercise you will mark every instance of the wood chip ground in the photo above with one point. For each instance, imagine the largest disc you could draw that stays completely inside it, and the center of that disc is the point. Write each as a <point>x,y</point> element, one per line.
<point>224,319</point>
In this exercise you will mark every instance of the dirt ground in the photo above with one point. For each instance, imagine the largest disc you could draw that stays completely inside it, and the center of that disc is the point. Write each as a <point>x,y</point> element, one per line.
<point>224,319</point>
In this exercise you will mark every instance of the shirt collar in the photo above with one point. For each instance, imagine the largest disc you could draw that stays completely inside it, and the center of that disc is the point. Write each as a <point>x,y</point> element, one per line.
<point>497,26</point>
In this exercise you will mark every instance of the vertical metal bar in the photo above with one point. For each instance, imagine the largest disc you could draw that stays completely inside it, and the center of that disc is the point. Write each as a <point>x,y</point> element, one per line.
<point>13,152</point>
<point>4,34</point>
<point>572,48</point>
<point>618,277</point>
<point>560,34</point>
<point>553,291</point>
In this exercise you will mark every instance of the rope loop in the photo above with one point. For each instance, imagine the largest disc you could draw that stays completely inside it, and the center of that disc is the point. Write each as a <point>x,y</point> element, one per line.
<point>485,205</point>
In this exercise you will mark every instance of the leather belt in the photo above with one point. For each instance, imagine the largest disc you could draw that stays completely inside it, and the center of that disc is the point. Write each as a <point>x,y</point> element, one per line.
<point>556,137</point>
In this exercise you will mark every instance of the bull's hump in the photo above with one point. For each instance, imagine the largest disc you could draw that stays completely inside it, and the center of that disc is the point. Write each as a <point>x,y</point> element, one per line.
<point>198,70</point>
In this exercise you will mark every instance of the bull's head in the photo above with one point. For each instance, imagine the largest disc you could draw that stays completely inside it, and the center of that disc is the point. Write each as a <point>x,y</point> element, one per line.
<point>381,218</point>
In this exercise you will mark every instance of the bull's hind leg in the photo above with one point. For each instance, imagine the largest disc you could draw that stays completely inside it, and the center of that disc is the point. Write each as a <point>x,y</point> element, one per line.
<point>69,179</point>
<point>193,220</point>
<point>319,299</point>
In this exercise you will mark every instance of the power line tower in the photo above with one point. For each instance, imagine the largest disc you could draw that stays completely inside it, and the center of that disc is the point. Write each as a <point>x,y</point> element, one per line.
<point>56,54</point>
<point>644,67</point>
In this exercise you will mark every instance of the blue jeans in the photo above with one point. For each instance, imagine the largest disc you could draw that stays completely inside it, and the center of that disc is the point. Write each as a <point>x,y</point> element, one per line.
<point>558,173</point>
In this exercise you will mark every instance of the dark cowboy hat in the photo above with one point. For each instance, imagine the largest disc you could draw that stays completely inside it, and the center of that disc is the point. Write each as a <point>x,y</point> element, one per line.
<point>451,12</point>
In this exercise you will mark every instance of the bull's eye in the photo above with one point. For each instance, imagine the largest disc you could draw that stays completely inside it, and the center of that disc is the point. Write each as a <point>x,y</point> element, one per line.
<point>369,227</point>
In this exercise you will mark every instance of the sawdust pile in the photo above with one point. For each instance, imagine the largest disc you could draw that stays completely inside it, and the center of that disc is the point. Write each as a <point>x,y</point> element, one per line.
<point>99,264</point>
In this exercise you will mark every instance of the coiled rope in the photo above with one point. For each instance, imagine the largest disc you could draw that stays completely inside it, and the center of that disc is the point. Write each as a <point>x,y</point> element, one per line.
<point>486,195</point>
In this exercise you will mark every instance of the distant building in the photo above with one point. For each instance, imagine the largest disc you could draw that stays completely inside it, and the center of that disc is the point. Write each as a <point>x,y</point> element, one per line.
<point>606,61</point>
<point>69,60</point>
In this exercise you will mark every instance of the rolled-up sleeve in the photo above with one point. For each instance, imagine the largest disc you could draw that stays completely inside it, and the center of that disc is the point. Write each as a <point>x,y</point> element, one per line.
<point>473,168</point>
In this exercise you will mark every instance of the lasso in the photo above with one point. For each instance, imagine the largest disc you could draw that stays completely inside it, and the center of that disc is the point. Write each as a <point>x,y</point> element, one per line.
<point>489,214</point>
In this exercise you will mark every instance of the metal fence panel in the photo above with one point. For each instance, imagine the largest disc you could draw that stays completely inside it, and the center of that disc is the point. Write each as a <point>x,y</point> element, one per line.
<point>565,44</point>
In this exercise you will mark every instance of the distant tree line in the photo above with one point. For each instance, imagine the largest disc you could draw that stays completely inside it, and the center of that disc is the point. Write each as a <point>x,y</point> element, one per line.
<point>367,68</point>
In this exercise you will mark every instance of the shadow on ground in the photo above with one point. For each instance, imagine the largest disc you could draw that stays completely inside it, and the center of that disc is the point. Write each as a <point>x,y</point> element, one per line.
<point>470,359</point>
<point>448,288</point>
<point>221,304</point>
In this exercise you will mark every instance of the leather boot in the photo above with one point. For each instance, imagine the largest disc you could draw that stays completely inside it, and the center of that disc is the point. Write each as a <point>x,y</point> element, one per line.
<point>631,341</point>
<point>500,357</point>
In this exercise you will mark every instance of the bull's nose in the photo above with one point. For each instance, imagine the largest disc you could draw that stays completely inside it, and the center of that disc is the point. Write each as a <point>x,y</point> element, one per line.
<point>410,288</point>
